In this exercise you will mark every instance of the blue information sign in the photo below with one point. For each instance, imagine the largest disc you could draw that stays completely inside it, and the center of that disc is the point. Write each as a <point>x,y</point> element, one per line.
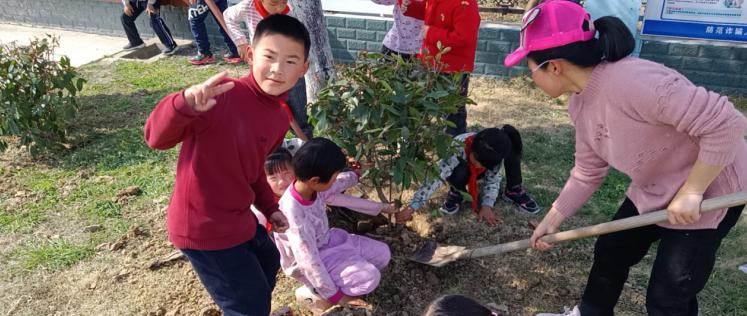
<point>703,19</point>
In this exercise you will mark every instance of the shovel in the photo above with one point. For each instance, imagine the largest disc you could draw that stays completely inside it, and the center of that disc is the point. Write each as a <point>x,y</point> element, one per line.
<point>432,254</point>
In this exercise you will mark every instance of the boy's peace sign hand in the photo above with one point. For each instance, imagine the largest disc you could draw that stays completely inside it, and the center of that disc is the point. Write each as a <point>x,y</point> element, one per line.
<point>201,97</point>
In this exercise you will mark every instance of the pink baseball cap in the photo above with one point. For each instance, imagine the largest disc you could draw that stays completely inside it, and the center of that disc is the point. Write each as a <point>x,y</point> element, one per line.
<point>553,23</point>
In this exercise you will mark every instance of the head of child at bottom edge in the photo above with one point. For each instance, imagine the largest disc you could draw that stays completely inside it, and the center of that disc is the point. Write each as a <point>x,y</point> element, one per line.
<point>457,305</point>
<point>318,162</point>
<point>280,51</point>
<point>279,171</point>
<point>491,145</point>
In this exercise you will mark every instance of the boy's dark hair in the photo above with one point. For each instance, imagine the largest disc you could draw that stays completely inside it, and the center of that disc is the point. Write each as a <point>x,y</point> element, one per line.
<point>491,145</point>
<point>284,25</point>
<point>319,157</point>
<point>456,305</point>
<point>615,42</point>
<point>277,160</point>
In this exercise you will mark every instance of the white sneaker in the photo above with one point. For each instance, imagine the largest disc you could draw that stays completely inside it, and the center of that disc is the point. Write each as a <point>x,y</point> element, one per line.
<point>307,298</point>
<point>568,312</point>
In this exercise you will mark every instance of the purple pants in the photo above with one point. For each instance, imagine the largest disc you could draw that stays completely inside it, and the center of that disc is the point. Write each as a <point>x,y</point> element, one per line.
<point>354,261</point>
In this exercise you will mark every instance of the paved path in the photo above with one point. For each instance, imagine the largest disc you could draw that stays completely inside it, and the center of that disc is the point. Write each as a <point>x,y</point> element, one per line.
<point>82,48</point>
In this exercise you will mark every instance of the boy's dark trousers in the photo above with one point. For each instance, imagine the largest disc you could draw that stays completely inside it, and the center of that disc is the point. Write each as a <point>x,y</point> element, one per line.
<point>460,177</point>
<point>197,14</point>
<point>460,117</point>
<point>239,279</point>
<point>684,262</point>
<point>156,22</point>
<point>297,103</point>
<point>388,51</point>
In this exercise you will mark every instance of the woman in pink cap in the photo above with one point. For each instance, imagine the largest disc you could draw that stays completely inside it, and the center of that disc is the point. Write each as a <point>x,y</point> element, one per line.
<point>678,143</point>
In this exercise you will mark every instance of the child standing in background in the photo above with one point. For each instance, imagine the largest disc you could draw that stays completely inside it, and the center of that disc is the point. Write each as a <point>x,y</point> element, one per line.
<point>453,24</point>
<point>198,11</point>
<point>405,36</point>
<point>132,9</point>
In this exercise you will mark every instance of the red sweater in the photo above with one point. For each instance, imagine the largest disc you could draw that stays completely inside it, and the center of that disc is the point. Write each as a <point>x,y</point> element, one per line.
<point>220,170</point>
<point>455,23</point>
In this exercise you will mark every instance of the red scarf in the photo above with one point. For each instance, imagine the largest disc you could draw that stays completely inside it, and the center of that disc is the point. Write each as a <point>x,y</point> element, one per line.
<point>287,110</point>
<point>263,12</point>
<point>474,171</point>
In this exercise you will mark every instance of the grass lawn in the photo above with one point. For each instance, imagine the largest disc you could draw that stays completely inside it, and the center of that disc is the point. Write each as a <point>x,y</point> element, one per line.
<point>62,216</point>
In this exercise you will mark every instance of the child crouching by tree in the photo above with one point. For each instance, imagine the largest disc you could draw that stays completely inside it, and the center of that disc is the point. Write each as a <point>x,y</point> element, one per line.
<point>279,171</point>
<point>334,266</point>
<point>480,155</point>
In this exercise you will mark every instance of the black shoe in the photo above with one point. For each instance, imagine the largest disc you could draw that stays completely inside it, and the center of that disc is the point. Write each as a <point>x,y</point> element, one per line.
<point>452,204</point>
<point>130,46</point>
<point>518,195</point>
<point>169,50</point>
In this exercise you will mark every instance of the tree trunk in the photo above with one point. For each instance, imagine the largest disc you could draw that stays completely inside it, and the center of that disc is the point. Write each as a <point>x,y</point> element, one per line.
<point>320,57</point>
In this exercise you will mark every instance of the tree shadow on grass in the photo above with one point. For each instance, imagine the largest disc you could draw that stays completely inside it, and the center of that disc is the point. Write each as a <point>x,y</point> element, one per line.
<point>108,133</point>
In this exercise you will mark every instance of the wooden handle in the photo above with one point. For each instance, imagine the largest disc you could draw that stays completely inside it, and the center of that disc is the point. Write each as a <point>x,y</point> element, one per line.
<point>724,201</point>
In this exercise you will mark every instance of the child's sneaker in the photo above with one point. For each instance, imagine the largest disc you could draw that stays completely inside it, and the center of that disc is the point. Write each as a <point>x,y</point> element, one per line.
<point>231,58</point>
<point>518,195</point>
<point>450,208</point>
<point>568,312</point>
<point>305,297</point>
<point>130,46</point>
<point>169,50</point>
<point>201,59</point>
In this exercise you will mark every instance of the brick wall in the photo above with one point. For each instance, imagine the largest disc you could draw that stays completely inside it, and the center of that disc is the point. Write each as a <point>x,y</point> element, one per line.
<point>350,35</point>
<point>721,66</point>
<point>718,67</point>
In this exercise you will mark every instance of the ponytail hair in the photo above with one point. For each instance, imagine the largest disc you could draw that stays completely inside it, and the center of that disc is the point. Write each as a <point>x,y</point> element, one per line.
<point>513,134</point>
<point>615,42</point>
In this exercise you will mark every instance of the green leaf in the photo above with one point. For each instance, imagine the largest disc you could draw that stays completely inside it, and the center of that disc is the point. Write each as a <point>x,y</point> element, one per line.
<point>79,84</point>
<point>387,86</point>
<point>321,123</point>
<point>405,132</point>
<point>442,145</point>
<point>438,94</point>
<point>466,196</point>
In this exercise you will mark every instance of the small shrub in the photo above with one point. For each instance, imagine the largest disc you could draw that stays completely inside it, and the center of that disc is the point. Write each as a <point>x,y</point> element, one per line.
<point>37,94</point>
<point>389,113</point>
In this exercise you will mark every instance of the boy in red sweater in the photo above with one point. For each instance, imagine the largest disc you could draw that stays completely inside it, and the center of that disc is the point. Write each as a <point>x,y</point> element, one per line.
<point>227,127</point>
<point>455,24</point>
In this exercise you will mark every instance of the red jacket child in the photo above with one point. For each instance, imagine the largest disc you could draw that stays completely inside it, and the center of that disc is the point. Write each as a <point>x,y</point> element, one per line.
<point>454,23</point>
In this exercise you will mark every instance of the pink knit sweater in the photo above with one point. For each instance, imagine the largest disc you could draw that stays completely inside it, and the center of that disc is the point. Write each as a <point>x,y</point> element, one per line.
<point>651,123</point>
